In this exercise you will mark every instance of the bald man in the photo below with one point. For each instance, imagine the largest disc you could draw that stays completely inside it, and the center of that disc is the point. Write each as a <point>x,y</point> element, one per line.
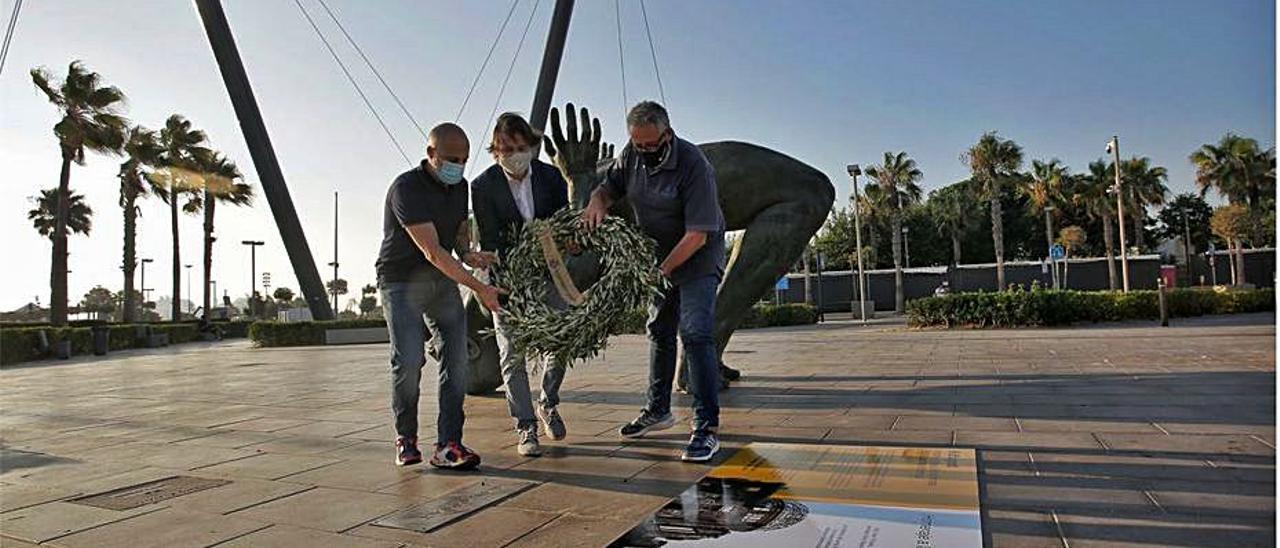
<point>424,226</point>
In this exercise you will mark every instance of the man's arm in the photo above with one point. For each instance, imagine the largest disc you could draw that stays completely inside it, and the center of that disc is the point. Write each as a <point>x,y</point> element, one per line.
<point>424,235</point>
<point>692,241</point>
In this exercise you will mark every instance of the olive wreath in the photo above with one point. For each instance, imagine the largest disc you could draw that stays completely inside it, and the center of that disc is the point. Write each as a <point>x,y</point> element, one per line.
<point>628,280</point>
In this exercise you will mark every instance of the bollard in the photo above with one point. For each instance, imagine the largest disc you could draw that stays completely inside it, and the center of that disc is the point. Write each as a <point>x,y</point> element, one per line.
<point>1164,310</point>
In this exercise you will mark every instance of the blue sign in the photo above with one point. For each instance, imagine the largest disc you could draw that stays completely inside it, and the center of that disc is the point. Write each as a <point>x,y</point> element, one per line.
<point>783,284</point>
<point>1057,252</point>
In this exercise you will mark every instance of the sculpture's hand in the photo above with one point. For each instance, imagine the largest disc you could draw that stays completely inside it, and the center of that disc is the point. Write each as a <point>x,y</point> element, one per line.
<point>575,153</point>
<point>606,152</point>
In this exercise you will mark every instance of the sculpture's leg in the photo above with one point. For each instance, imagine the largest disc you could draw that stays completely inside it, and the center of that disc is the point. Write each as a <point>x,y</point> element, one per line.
<point>771,243</point>
<point>484,375</point>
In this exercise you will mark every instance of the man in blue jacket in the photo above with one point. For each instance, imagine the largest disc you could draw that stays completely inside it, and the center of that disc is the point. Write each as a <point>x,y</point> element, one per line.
<point>516,189</point>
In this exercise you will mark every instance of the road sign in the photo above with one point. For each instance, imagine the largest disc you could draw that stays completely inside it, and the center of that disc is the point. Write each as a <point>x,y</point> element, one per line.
<point>1057,252</point>
<point>784,283</point>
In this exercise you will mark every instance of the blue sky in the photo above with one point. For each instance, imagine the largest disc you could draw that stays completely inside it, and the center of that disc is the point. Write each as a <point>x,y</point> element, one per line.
<point>827,82</point>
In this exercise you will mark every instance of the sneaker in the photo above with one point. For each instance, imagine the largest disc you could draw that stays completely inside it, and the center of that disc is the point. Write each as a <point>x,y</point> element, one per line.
<point>702,446</point>
<point>552,423</point>
<point>729,373</point>
<point>529,446</point>
<point>454,456</point>
<point>407,451</point>
<point>647,422</point>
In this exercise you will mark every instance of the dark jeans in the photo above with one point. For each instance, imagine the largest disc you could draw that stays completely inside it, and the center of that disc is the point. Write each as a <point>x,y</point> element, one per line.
<point>431,302</point>
<point>687,309</point>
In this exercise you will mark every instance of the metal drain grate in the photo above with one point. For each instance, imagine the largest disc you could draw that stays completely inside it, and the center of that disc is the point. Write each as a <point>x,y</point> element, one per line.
<point>454,506</point>
<point>142,494</point>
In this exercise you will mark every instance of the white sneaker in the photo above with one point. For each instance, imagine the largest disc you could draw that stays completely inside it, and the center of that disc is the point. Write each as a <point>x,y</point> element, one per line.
<point>529,446</point>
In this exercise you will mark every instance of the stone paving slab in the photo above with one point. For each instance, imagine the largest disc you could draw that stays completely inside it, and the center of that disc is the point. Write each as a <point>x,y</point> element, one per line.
<point>1102,435</point>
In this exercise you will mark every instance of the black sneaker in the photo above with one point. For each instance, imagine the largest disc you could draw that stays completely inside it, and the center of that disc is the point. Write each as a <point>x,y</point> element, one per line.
<point>407,451</point>
<point>702,446</point>
<point>729,373</point>
<point>647,422</point>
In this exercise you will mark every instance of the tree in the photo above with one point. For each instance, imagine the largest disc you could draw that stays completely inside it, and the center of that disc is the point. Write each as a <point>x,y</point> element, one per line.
<point>179,175</point>
<point>1092,192</point>
<point>218,183</point>
<point>992,161</point>
<point>98,300</point>
<point>1237,168</point>
<point>368,300</point>
<point>1231,223</point>
<point>952,209</point>
<point>1186,213</point>
<point>874,206</point>
<point>142,151</point>
<point>1144,186</point>
<point>79,219</point>
<point>898,178</point>
<point>1071,238</point>
<point>1043,190</point>
<point>283,294</point>
<point>836,240</point>
<point>91,119</point>
<point>337,287</point>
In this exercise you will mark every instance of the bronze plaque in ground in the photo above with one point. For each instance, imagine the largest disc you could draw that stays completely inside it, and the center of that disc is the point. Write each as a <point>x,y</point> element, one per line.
<point>142,494</point>
<point>454,506</point>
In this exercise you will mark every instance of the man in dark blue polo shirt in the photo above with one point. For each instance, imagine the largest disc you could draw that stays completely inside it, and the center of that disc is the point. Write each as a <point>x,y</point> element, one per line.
<point>672,189</point>
<point>519,188</point>
<point>424,225</point>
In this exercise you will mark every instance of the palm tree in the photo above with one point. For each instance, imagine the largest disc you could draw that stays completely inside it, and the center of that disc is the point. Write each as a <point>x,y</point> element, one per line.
<point>1237,168</point>
<point>142,150</point>
<point>952,208</point>
<point>219,184</point>
<point>1232,222</point>
<point>899,179</point>
<point>90,120</point>
<point>1071,238</point>
<point>1145,185</point>
<point>1092,192</point>
<point>44,218</point>
<point>1044,192</point>
<point>183,155</point>
<point>874,207</point>
<point>992,160</point>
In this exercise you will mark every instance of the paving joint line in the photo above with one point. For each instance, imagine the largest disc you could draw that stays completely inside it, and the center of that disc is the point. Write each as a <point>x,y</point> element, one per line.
<point>1104,445</point>
<point>894,424</point>
<point>1017,424</point>
<point>1062,536</point>
<point>1153,500</point>
<point>1262,441</point>
<point>1160,428</point>
<point>1034,469</point>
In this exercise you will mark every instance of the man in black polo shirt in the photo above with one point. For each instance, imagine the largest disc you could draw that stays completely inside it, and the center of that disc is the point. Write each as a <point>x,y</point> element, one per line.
<point>424,224</point>
<point>672,189</point>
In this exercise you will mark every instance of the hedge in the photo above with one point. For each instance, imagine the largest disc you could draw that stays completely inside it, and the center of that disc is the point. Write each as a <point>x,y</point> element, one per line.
<point>272,333</point>
<point>21,344</point>
<point>1038,307</point>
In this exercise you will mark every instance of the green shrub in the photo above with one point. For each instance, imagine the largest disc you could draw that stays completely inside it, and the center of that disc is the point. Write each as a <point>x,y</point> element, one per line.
<point>774,315</point>
<point>273,333</point>
<point>1018,308</point>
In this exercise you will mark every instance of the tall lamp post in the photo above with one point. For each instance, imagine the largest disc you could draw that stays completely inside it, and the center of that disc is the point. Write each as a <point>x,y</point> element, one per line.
<point>334,264</point>
<point>1186,243</point>
<point>188,267</point>
<point>144,280</point>
<point>1113,146</point>
<point>253,272</point>
<point>906,247</point>
<point>1048,235</point>
<point>860,281</point>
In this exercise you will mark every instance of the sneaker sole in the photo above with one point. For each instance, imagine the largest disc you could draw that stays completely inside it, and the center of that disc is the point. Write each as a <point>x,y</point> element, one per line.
<point>652,428</point>
<point>407,462</point>
<point>686,458</point>
<point>460,467</point>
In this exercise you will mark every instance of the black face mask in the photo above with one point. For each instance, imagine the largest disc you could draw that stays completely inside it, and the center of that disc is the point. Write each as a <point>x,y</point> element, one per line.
<point>654,159</point>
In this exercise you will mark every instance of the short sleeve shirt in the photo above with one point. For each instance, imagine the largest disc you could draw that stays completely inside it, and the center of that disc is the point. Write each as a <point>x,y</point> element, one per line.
<point>417,197</point>
<point>678,195</point>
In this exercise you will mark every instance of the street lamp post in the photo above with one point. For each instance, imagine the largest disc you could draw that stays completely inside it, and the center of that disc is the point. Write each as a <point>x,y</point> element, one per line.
<point>906,247</point>
<point>213,302</point>
<point>861,281</point>
<point>253,272</point>
<point>1186,243</point>
<point>188,267</point>
<point>1048,235</point>
<point>1113,146</point>
<point>144,280</point>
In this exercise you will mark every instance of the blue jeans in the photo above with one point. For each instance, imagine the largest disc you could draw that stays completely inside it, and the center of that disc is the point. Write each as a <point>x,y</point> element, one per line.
<point>431,302</point>
<point>687,309</point>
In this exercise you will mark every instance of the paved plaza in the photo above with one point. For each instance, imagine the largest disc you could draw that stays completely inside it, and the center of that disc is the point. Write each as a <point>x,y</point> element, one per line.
<point>1096,435</point>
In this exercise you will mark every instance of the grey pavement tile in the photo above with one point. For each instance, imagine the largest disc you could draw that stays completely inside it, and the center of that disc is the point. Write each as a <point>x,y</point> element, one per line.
<point>52,520</point>
<point>162,529</point>
<point>326,509</point>
<point>284,536</point>
<point>493,526</point>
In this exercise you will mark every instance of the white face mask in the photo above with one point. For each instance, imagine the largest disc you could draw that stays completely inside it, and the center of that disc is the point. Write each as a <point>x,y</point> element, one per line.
<point>516,163</point>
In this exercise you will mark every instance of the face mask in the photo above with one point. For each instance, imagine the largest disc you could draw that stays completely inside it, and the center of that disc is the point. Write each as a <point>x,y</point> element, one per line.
<point>654,158</point>
<point>516,163</point>
<point>450,173</point>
